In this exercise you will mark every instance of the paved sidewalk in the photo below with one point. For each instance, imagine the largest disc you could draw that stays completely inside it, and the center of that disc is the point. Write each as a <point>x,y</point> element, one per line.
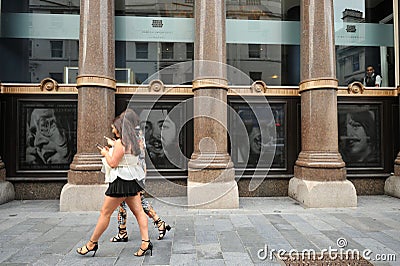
<point>36,233</point>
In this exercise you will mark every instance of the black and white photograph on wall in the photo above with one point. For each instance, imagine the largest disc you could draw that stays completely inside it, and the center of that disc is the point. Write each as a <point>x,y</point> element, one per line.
<point>47,138</point>
<point>274,130</point>
<point>360,135</point>
<point>162,137</point>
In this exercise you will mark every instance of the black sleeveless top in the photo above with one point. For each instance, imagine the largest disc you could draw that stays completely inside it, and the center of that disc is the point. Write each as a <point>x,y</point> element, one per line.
<point>370,81</point>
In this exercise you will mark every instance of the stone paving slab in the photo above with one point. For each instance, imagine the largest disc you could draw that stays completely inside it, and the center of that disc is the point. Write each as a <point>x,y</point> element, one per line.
<point>37,233</point>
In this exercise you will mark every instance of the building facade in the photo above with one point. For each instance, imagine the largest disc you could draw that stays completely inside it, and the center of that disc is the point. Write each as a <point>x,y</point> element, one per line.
<point>288,75</point>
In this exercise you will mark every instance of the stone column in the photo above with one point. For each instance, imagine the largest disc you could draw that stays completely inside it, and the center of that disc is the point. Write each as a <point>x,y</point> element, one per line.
<point>392,184</point>
<point>96,105</point>
<point>211,180</point>
<point>7,192</point>
<point>319,172</point>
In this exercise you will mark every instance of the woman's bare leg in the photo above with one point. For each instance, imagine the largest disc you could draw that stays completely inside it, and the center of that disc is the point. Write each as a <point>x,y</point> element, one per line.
<point>109,206</point>
<point>137,209</point>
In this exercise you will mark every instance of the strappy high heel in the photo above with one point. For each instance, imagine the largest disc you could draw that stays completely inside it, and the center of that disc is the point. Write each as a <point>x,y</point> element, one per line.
<point>162,228</point>
<point>122,235</point>
<point>84,252</point>
<point>143,251</point>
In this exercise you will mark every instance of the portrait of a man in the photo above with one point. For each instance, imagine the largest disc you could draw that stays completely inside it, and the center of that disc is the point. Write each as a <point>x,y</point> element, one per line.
<point>265,136</point>
<point>359,135</point>
<point>162,138</point>
<point>49,137</point>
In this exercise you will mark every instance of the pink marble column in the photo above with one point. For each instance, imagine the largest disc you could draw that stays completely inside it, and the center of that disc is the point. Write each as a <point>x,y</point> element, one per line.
<point>319,167</point>
<point>211,177</point>
<point>96,103</point>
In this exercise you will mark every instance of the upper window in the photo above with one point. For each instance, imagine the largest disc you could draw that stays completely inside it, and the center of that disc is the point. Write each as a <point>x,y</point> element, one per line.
<point>254,51</point>
<point>167,50</point>
<point>142,50</point>
<point>253,2</point>
<point>57,49</point>
<point>189,51</point>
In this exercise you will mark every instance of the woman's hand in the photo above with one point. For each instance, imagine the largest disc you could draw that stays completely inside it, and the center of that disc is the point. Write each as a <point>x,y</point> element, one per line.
<point>110,142</point>
<point>104,150</point>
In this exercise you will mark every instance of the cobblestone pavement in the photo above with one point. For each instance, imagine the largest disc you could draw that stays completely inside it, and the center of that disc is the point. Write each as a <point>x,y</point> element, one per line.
<point>34,232</point>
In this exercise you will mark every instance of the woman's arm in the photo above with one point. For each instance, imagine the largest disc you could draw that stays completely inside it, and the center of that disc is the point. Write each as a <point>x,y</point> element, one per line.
<point>118,152</point>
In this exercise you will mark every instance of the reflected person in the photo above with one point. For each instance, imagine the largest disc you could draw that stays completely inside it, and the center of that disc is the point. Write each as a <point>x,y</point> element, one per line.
<point>47,142</point>
<point>372,79</point>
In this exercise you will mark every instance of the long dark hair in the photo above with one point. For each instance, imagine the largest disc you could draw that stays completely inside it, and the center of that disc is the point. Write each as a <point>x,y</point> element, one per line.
<point>125,124</point>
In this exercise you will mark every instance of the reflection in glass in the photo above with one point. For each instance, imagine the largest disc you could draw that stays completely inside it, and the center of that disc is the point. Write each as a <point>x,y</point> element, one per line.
<point>141,52</point>
<point>270,56</point>
<point>34,58</point>
<point>359,135</point>
<point>364,37</point>
<point>273,132</point>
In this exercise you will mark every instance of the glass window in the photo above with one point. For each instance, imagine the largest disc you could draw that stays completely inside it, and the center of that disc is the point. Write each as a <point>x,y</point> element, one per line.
<point>167,27</point>
<point>57,76</point>
<point>56,49</point>
<point>30,38</point>
<point>263,37</point>
<point>254,51</point>
<point>142,50</point>
<point>255,75</point>
<point>190,51</point>
<point>167,51</point>
<point>364,37</point>
<point>253,2</point>
<point>356,63</point>
<point>141,77</point>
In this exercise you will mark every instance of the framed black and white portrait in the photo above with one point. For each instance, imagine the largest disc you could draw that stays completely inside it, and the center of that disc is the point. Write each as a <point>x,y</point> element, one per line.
<point>47,135</point>
<point>360,135</point>
<point>162,126</point>
<point>261,143</point>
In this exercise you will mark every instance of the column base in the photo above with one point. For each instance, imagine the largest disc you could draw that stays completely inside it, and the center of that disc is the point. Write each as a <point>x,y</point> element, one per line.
<point>82,197</point>
<point>392,186</point>
<point>213,195</point>
<point>323,194</point>
<point>7,192</point>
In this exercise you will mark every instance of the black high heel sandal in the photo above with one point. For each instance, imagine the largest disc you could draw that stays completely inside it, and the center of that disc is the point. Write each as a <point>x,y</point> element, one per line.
<point>82,252</point>
<point>149,247</point>
<point>161,224</point>
<point>122,235</point>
